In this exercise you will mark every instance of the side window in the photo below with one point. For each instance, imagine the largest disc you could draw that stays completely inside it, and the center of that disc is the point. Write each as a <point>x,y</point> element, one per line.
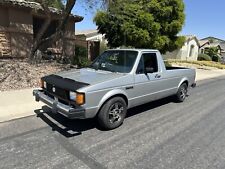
<point>150,60</point>
<point>147,60</point>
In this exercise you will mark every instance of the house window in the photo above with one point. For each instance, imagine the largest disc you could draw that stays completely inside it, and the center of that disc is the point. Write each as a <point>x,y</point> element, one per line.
<point>191,50</point>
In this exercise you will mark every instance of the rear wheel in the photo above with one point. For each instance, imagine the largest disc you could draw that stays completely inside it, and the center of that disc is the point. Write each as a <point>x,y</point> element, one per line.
<point>182,93</point>
<point>112,113</point>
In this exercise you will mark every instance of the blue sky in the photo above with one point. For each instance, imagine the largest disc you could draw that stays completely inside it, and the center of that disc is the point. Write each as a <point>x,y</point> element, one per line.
<point>203,18</point>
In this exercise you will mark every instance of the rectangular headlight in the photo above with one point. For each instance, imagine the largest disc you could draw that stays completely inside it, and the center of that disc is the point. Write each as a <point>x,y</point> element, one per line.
<point>73,96</point>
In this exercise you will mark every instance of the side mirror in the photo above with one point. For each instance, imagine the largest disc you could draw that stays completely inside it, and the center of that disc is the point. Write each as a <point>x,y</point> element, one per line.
<point>149,70</point>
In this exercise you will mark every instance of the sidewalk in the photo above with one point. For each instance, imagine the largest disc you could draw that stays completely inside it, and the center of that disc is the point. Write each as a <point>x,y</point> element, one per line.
<point>202,74</point>
<point>17,104</point>
<point>20,103</point>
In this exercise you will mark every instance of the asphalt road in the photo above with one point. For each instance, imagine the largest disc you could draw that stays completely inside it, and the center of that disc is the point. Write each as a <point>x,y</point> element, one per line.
<point>162,134</point>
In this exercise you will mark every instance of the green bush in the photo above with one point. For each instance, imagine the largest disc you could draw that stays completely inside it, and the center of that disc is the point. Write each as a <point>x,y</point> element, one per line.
<point>204,57</point>
<point>80,59</point>
<point>216,58</point>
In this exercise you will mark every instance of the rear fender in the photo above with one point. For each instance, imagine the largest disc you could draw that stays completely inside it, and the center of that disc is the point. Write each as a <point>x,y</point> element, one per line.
<point>183,80</point>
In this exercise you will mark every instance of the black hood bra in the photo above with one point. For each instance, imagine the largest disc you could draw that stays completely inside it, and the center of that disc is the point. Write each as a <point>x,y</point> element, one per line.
<point>64,83</point>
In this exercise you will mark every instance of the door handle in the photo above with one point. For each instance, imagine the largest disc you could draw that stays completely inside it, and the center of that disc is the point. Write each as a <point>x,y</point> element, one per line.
<point>157,76</point>
<point>129,87</point>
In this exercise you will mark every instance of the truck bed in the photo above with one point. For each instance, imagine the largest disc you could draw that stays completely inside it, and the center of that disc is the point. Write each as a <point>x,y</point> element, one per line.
<point>174,68</point>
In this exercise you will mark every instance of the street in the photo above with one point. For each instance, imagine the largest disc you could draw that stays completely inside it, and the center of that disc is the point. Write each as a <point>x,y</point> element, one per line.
<point>161,134</point>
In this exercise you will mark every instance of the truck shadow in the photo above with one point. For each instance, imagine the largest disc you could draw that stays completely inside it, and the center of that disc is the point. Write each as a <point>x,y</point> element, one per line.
<point>72,128</point>
<point>149,106</point>
<point>63,125</point>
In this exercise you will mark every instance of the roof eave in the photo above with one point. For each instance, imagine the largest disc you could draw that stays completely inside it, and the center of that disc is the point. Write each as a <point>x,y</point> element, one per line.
<point>36,8</point>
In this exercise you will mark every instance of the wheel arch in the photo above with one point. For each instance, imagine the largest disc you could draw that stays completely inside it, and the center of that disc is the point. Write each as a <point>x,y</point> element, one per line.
<point>184,80</point>
<point>112,94</point>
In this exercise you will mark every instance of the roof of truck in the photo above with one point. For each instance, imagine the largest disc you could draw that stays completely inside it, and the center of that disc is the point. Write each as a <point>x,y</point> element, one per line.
<point>138,50</point>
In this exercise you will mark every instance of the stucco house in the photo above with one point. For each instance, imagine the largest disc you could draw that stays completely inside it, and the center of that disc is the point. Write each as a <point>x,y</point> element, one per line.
<point>189,51</point>
<point>91,35</point>
<point>90,39</point>
<point>222,45</point>
<point>208,42</point>
<point>20,21</point>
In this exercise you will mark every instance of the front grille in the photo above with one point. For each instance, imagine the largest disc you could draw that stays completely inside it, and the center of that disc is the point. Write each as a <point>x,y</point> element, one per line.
<point>58,92</point>
<point>64,102</point>
<point>49,95</point>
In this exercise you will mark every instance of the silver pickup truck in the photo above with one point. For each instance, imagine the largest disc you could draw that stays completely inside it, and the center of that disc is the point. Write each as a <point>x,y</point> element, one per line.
<point>117,80</point>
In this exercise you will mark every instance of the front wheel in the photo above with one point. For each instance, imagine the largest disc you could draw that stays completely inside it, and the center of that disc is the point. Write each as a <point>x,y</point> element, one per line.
<point>182,93</point>
<point>112,113</point>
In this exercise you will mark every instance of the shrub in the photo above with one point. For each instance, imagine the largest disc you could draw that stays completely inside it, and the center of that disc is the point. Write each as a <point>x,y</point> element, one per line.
<point>216,58</point>
<point>204,57</point>
<point>80,59</point>
<point>212,51</point>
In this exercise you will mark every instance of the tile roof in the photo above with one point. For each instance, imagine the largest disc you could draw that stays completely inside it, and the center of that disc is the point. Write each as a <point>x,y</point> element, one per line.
<point>214,38</point>
<point>203,42</point>
<point>36,6</point>
<point>222,45</point>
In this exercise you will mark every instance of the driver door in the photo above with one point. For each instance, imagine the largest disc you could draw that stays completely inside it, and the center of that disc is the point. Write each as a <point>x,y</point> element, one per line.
<point>147,85</point>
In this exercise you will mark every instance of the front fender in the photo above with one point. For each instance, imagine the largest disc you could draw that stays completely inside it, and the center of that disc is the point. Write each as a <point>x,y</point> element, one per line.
<point>110,94</point>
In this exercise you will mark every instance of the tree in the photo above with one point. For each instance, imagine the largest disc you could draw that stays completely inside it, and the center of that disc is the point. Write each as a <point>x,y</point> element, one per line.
<point>66,11</point>
<point>39,40</point>
<point>143,23</point>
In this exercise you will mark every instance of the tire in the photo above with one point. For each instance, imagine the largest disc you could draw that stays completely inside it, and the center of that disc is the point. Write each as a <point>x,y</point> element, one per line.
<point>182,93</point>
<point>112,113</point>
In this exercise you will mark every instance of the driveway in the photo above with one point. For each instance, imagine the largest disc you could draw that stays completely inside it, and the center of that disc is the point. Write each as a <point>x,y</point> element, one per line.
<point>161,134</point>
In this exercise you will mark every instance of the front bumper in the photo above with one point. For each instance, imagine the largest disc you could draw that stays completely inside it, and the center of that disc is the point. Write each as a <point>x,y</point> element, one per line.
<point>67,111</point>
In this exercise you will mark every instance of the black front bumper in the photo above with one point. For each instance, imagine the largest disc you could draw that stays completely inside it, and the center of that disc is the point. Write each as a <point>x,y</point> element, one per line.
<point>57,107</point>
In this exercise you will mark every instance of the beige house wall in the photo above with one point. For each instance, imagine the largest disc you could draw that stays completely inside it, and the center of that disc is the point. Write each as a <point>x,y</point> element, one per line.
<point>185,52</point>
<point>16,33</point>
<point>4,36</point>
<point>190,50</point>
<point>173,55</point>
<point>21,31</point>
<point>21,44</point>
<point>21,20</point>
<point>4,17</point>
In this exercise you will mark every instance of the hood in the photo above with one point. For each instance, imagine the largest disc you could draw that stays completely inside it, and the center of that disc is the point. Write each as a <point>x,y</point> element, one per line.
<point>89,76</point>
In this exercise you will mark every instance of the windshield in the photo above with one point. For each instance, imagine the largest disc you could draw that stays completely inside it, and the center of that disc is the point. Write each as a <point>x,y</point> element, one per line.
<point>115,61</point>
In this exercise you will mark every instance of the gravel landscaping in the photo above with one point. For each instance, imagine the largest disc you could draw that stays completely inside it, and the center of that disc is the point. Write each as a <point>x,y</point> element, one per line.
<point>19,74</point>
